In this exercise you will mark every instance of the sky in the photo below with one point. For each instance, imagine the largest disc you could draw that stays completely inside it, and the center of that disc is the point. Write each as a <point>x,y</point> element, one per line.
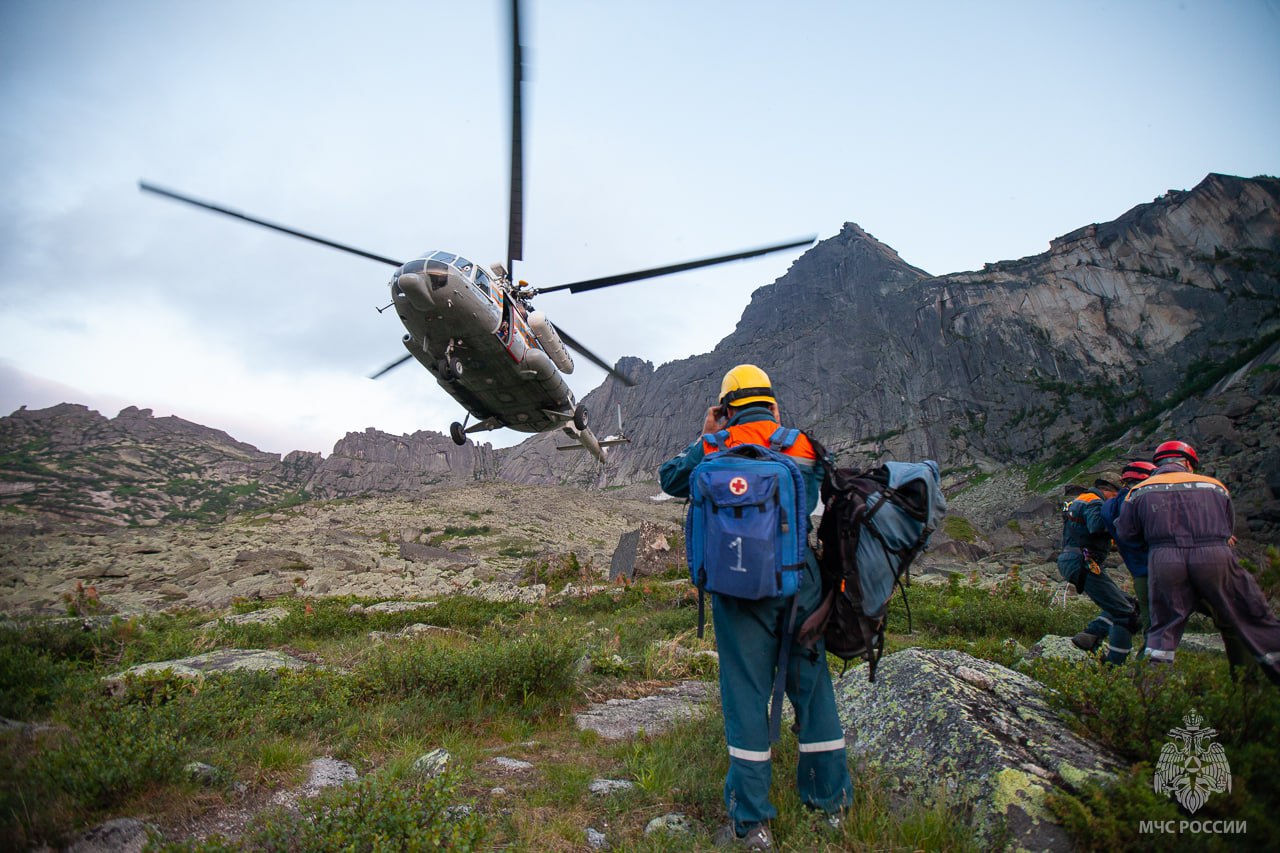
<point>655,132</point>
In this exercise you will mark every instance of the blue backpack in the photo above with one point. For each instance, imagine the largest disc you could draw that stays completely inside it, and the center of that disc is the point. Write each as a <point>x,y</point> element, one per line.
<point>746,533</point>
<point>747,526</point>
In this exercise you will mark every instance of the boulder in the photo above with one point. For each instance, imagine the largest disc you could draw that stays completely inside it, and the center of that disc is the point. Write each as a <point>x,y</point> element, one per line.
<point>616,719</point>
<point>195,668</point>
<point>265,616</point>
<point>122,835</point>
<point>1055,648</point>
<point>604,787</point>
<point>654,555</point>
<point>992,745</point>
<point>433,763</point>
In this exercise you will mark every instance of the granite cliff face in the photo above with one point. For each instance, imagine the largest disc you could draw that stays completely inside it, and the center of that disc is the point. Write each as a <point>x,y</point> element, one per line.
<point>1165,321</point>
<point>70,463</point>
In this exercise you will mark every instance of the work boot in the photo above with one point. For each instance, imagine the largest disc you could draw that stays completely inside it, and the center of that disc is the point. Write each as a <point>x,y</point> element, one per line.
<point>821,821</point>
<point>757,838</point>
<point>1086,642</point>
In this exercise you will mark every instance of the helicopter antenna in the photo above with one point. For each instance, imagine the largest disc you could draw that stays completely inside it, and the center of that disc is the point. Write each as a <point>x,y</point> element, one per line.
<point>515,232</point>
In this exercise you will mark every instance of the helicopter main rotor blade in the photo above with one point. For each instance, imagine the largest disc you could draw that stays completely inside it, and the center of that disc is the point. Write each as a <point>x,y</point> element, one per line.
<point>610,281</point>
<point>593,358</point>
<point>392,366</point>
<point>515,222</point>
<point>152,188</point>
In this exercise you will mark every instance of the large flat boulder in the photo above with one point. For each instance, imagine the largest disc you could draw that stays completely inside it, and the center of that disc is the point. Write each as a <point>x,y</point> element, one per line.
<point>616,719</point>
<point>195,668</point>
<point>947,723</point>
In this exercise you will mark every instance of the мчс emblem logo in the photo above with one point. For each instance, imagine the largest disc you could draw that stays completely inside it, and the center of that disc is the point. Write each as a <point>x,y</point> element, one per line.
<point>738,485</point>
<point>1194,770</point>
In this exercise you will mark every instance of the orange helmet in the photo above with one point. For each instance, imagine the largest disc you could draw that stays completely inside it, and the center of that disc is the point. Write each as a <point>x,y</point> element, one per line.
<point>1171,449</point>
<point>1137,470</point>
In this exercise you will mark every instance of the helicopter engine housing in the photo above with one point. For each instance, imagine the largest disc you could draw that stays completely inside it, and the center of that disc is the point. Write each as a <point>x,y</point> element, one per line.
<point>551,343</point>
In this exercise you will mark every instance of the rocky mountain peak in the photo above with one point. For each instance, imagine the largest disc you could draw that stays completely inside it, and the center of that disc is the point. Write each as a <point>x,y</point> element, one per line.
<point>1119,330</point>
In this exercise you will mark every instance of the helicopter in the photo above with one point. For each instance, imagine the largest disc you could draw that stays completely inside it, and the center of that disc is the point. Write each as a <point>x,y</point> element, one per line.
<point>473,326</point>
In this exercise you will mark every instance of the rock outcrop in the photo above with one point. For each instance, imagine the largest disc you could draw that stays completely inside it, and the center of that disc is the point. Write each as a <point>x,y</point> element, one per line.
<point>615,719</point>
<point>988,738</point>
<point>373,462</point>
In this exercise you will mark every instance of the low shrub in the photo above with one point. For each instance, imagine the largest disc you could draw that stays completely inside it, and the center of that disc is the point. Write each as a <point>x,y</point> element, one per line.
<point>1133,709</point>
<point>533,672</point>
<point>370,815</point>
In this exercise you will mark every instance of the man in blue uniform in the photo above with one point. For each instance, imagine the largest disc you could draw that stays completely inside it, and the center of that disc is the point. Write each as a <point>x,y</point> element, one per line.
<point>1085,545</point>
<point>750,634</point>
<point>1134,554</point>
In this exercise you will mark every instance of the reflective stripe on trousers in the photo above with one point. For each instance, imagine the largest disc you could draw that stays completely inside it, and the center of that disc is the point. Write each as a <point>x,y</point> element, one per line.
<point>750,754</point>
<point>823,746</point>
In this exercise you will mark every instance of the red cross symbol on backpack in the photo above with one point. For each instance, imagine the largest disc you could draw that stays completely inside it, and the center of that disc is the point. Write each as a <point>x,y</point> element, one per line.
<point>738,485</point>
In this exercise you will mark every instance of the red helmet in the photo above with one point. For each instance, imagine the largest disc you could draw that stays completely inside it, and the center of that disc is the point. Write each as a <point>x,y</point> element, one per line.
<point>1139,469</point>
<point>1170,449</point>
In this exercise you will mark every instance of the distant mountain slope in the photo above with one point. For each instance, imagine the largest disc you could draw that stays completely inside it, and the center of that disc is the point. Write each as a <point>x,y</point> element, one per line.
<point>68,462</point>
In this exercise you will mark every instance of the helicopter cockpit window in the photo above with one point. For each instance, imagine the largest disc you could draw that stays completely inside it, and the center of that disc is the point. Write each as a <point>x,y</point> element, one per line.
<point>443,257</point>
<point>464,266</point>
<point>483,280</point>
<point>415,266</point>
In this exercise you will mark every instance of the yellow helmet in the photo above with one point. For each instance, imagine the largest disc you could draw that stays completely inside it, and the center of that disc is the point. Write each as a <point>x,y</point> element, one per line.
<point>746,383</point>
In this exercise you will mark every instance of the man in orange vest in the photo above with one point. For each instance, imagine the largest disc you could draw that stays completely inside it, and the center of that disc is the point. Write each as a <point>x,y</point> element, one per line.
<point>1187,520</point>
<point>749,635</point>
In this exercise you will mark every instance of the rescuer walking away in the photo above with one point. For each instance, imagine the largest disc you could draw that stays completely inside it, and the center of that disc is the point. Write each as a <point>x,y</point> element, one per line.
<point>1187,520</point>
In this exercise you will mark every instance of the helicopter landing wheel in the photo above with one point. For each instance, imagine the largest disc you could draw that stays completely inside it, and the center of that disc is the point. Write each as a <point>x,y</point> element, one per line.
<point>580,417</point>
<point>455,432</point>
<point>449,368</point>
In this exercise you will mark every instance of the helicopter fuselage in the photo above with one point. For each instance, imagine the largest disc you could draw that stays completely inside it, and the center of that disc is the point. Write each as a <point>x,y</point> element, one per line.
<point>464,325</point>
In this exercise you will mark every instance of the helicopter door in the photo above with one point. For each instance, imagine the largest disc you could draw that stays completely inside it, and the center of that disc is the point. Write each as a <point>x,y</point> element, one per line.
<point>508,333</point>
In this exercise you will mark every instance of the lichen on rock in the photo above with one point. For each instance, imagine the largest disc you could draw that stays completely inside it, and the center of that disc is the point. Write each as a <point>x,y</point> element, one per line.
<point>993,745</point>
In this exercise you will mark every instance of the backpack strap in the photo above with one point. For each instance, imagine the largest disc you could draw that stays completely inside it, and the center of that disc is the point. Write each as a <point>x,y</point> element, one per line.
<point>716,439</point>
<point>782,438</point>
<point>828,467</point>
<point>780,680</point>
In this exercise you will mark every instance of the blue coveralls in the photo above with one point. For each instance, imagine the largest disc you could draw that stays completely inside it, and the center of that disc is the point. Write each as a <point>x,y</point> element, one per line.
<point>748,638</point>
<point>1084,541</point>
<point>1134,555</point>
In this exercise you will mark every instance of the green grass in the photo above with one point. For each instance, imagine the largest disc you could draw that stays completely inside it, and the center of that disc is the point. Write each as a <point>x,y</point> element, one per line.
<point>505,680</point>
<point>959,529</point>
